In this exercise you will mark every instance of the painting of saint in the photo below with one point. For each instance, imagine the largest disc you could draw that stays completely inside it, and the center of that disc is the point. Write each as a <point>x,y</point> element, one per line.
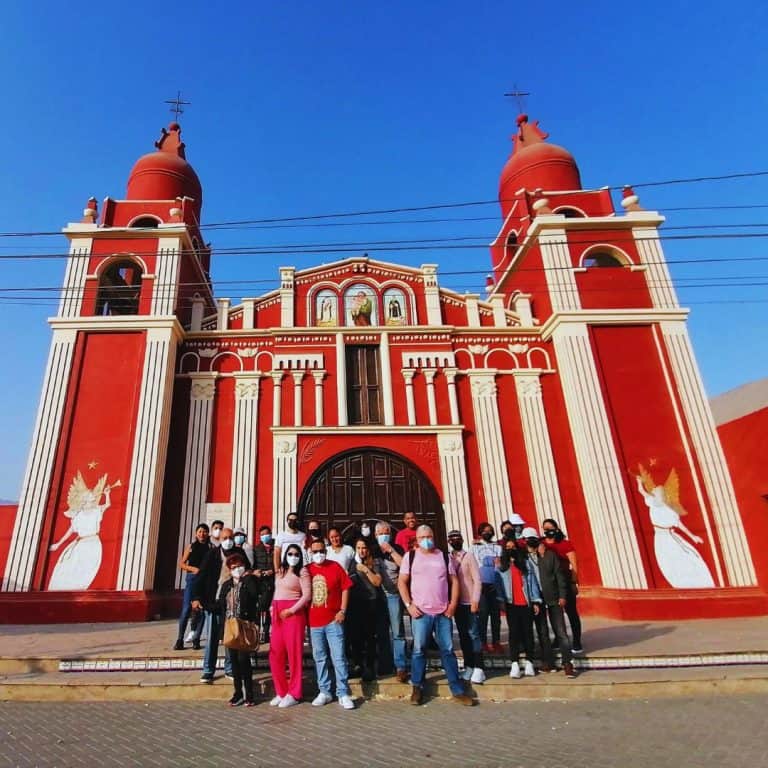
<point>360,304</point>
<point>325,308</point>
<point>394,307</point>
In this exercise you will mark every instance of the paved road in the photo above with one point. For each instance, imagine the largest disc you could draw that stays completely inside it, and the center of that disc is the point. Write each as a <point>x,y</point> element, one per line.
<point>684,733</point>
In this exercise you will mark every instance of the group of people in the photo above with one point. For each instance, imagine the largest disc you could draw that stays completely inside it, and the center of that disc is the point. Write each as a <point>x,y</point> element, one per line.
<point>352,593</point>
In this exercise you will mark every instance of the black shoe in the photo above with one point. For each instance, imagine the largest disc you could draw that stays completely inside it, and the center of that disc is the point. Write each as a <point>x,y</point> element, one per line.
<point>368,675</point>
<point>206,678</point>
<point>178,645</point>
<point>236,701</point>
<point>195,645</point>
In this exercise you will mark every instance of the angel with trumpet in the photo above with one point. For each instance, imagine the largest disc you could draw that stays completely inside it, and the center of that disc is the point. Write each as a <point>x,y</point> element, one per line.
<point>678,560</point>
<point>80,561</point>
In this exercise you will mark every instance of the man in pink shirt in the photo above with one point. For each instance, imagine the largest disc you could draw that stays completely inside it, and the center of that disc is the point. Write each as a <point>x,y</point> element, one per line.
<point>467,612</point>
<point>429,587</point>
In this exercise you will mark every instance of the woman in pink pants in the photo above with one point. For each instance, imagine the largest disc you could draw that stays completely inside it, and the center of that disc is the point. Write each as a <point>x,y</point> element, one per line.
<point>289,620</point>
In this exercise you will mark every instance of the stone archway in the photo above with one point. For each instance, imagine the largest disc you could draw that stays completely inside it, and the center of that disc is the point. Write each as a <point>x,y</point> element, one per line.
<point>371,484</point>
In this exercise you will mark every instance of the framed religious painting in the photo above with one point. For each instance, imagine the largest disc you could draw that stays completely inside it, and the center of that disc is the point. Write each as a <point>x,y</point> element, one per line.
<point>326,308</point>
<point>395,310</point>
<point>360,305</point>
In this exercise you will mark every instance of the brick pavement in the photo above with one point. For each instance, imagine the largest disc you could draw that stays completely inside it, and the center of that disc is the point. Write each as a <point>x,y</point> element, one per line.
<point>698,732</point>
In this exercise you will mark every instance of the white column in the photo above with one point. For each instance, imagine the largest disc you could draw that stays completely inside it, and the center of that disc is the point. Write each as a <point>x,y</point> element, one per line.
<point>222,314</point>
<point>429,378</point>
<point>453,474</point>
<point>318,376</point>
<point>602,478</point>
<point>453,402</point>
<point>657,275</point>
<point>561,281</point>
<point>283,479</point>
<point>431,294</point>
<point>409,401</point>
<point>25,538</point>
<point>166,285</point>
<point>197,459</point>
<point>144,494</point>
<point>341,380</point>
<point>386,380</point>
<point>473,311</point>
<point>706,443</point>
<point>277,381</point>
<point>287,296</point>
<point>74,278</point>
<point>245,448</point>
<point>490,444</point>
<point>298,377</point>
<point>538,447</point>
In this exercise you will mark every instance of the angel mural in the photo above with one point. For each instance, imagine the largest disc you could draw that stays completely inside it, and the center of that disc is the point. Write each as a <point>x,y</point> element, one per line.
<point>394,307</point>
<point>679,562</point>
<point>79,563</point>
<point>325,308</point>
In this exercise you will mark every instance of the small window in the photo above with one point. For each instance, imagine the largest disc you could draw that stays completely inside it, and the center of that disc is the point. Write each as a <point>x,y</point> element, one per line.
<point>145,222</point>
<point>570,213</point>
<point>119,289</point>
<point>363,385</point>
<point>601,259</point>
<point>511,239</point>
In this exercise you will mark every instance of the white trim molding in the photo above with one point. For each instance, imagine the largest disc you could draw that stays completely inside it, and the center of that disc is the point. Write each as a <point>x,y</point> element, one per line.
<point>202,393</point>
<point>657,275</point>
<point>453,475</point>
<point>538,447</point>
<point>717,480</point>
<point>283,477</point>
<point>25,540</point>
<point>74,279</point>
<point>561,282</point>
<point>610,516</point>
<point>166,286</point>
<point>245,448</point>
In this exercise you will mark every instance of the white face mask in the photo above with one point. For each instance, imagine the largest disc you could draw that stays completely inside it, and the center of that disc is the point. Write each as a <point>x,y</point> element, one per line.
<point>366,530</point>
<point>318,557</point>
<point>292,559</point>
<point>215,533</point>
<point>227,544</point>
<point>238,572</point>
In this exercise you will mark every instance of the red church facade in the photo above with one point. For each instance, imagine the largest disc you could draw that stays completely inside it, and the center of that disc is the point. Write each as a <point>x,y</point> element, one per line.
<point>360,389</point>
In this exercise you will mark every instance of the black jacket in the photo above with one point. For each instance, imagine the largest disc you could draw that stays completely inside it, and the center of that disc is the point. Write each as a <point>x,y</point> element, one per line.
<point>249,598</point>
<point>207,581</point>
<point>262,561</point>
<point>551,578</point>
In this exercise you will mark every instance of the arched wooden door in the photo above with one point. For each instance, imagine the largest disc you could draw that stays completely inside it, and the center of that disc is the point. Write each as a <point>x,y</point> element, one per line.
<point>371,484</point>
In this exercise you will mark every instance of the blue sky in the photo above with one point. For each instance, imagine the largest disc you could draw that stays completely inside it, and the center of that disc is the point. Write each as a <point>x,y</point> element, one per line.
<point>302,108</point>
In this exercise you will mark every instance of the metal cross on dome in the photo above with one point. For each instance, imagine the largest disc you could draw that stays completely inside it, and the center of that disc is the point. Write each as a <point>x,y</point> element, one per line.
<point>518,96</point>
<point>177,102</point>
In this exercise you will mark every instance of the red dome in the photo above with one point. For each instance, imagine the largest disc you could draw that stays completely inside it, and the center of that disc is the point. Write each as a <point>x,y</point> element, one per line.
<point>535,164</point>
<point>165,174</point>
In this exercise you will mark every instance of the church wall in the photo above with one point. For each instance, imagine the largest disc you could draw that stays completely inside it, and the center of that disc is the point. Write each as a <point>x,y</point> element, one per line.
<point>262,513</point>
<point>96,440</point>
<point>528,277</point>
<point>220,480</point>
<point>7,519</point>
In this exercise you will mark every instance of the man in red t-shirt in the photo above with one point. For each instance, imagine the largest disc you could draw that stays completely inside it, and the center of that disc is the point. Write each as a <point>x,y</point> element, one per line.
<point>555,540</point>
<point>406,538</point>
<point>330,595</point>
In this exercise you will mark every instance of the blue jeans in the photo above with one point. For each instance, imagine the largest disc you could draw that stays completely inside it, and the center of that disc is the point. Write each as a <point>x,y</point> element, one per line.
<point>196,623</point>
<point>330,640</point>
<point>396,626</point>
<point>215,624</point>
<point>422,630</point>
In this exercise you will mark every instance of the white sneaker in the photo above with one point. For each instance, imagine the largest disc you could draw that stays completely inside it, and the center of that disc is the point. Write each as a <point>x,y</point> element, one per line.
<point>467,673</point>
<point>189,637</point>
<point>515,671</point>
<point>276,701</point>
<point>478,676</point>
<point>288,701</point>
<point>529,670</point>
<point>346,702</point>
<point>322,699</point>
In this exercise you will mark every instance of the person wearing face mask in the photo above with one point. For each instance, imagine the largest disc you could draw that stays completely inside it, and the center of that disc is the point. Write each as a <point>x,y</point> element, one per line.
<point>216,528</point>
<point>467,611</point>
<point>241,540</point>
<point>205,593</point>
<point>338,551</point>
<point>190,562</point>
<point>294,535</point>
<point>365,574</point>
<point>327,612</point>
<point>429,588</point>
<point>391,556</point>
<point>293,590</point>
<point>531,546</point>
<point>239,599</point>
<point>555,540</point>
<point>263,570</point>
<point>314,533</point>
<point>488,555</point>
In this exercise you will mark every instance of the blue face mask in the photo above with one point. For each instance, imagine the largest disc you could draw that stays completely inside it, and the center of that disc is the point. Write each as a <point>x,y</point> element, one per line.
<point>265,538</point>
<point>239,539</point>
<point>383,538</point>
<point>426,544</point>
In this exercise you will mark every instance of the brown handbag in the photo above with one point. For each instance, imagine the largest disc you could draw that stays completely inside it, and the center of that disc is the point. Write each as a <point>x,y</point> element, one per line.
<point>241,635</point>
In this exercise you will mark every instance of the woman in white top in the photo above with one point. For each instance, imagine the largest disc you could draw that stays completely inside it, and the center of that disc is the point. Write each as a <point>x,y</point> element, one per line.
<point>339,552</point>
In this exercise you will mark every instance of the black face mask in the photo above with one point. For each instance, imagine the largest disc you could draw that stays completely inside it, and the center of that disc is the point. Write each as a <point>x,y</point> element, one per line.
<point>550,534</point>
<point>486,535</point>
<point>509,534</point>
<point>456,544</point>
<point>314,533</point>
<point>293,524</point>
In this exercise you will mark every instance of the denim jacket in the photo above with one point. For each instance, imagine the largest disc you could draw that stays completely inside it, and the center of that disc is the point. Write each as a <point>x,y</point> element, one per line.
<point>531,588</point>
